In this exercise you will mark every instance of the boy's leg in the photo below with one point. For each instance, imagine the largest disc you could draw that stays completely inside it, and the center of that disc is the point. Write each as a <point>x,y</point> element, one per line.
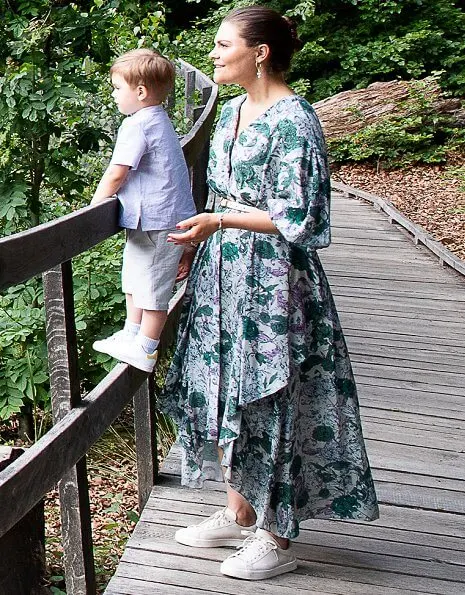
<point>133,313</point>
<point>148,280</point>
<point>152,323</point>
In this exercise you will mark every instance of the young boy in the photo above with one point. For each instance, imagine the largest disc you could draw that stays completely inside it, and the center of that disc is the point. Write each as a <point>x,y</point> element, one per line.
<point>148,173</point>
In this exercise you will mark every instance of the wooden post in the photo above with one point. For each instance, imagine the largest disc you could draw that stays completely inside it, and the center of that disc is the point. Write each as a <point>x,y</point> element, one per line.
<point>146,440</point>
<point>64,383</point>
<point>22,548</point>
<point>189,91</point>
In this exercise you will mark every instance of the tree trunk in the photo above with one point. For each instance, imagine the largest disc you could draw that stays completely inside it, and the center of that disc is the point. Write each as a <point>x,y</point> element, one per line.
<point>350,111</point>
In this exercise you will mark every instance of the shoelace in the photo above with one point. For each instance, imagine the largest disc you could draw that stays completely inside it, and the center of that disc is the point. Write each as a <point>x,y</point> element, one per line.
<point>217,520</point>
<point>259,545</point>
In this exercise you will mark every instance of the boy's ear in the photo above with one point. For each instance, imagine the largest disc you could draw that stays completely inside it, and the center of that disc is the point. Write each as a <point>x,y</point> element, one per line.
<point>142,92</point>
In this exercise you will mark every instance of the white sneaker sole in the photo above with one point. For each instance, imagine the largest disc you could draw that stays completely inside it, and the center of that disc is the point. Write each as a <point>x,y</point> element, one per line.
<point>103,345</point>
<point>146,365</point>
<point>257,575</point>
<point>186,539</point>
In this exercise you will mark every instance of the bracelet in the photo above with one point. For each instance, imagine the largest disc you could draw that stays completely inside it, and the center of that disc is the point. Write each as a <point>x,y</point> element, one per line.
<point>220,221</point>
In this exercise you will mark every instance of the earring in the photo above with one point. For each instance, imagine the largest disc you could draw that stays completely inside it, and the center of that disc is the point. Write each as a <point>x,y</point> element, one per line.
<point>258,66</point>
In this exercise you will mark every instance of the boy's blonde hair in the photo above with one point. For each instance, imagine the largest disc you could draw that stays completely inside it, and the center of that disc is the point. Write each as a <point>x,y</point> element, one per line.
<point>148,68</point>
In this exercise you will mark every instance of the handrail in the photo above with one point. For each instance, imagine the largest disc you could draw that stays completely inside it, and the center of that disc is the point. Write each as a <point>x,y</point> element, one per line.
<point>79,422</point>
<point>419,234</point>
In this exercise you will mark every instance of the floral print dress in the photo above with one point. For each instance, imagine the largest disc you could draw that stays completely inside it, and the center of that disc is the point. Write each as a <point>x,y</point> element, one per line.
<point>261,371</point>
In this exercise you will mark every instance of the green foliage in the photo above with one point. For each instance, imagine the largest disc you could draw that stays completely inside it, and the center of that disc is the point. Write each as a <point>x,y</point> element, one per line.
<point>99,305</point>
<point>23,357</point>
<point>57,122</point>
<point>352,43</point>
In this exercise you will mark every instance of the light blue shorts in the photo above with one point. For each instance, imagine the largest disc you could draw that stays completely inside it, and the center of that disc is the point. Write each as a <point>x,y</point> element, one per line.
<point>150,266</point>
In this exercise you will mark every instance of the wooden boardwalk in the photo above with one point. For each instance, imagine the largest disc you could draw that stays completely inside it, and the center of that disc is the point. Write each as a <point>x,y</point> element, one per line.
<point>404,319</point>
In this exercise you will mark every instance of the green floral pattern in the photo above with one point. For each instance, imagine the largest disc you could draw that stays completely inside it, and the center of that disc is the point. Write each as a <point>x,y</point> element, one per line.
<point>261,367</point>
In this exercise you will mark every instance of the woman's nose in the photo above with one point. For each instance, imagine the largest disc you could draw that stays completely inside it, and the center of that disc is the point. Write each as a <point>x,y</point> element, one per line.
<point>213,54</point>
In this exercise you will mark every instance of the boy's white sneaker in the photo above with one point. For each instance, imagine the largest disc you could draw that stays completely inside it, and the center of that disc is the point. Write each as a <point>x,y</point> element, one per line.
<point>259,557</point>
<point>219,530</point>
<point>102,345</point>
<point>132,353</point>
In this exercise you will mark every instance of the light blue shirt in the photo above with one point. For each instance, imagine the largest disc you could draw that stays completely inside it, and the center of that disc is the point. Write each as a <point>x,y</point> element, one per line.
<point>156,193</point>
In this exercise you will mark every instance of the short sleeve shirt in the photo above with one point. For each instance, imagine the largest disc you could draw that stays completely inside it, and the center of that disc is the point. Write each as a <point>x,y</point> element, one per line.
<point>156,193</point>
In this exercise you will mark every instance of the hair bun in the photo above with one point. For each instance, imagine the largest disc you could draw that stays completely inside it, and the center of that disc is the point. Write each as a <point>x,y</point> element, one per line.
<point>297,42</point>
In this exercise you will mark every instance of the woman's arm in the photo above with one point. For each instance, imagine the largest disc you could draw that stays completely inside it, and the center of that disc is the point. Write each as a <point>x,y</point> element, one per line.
<point>200,227</point>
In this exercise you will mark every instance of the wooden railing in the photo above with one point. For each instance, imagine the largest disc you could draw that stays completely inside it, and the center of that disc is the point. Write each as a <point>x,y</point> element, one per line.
<point>60,455</point>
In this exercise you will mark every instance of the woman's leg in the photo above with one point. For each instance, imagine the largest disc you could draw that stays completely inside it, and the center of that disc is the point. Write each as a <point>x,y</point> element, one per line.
<point>245,514</point>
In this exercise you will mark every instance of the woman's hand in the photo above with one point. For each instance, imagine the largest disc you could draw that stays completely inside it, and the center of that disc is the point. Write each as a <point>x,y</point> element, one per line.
<point>197,229</point>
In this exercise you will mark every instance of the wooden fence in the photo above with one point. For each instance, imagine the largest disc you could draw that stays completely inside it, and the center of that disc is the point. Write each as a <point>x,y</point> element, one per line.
<point>59,457</point>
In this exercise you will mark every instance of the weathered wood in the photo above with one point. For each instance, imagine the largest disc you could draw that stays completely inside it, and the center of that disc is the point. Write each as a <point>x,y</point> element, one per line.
<point>36,472</point>
<point>146,440</point>
<point>418,233</point>
<point>196,139</point>
<point>59,241</point>
<point>76,527</point>
<point>22,548</point>
<point>189,89</point>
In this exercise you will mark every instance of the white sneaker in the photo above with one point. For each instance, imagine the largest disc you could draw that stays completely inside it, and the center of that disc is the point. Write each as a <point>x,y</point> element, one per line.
<point>259,557</point>
<point>103,344</point>
<point>218,530</point>
<point>132,353</point>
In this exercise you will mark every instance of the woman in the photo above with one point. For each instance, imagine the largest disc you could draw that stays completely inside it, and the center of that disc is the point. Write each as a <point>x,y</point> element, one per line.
<point>261,375</point>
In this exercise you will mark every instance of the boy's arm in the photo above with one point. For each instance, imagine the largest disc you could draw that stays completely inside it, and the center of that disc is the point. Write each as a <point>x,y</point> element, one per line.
<point>111,182</point>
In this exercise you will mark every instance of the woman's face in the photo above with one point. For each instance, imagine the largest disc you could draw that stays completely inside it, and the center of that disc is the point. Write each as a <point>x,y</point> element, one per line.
<point>233,60</point>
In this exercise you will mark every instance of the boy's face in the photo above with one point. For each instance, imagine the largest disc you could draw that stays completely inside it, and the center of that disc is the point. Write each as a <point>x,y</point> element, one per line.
<point>127,98</point>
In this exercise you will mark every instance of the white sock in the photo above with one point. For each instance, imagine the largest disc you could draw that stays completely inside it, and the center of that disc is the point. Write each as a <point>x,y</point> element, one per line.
<point>132,328</point>
<point>149,345</point>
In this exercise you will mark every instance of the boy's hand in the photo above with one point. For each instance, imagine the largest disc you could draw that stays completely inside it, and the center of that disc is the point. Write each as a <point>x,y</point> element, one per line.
<point>185,263</point>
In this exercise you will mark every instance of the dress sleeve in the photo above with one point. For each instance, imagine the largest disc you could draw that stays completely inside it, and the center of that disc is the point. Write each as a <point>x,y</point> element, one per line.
<point>299,197</point>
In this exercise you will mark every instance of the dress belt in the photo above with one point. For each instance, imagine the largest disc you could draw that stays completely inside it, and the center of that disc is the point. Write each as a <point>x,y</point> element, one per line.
<point>237,206</point>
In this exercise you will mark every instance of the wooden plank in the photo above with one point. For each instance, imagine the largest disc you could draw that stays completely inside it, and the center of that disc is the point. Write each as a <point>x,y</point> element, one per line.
<point>397,339</point>
<point>135,586</point>
<point>409,353</point>
<point>325,562</point>
<point>447,380</point>
<point>214,495</point>
<point>450,484</point>
<point>359,269</point>
<point>59,240</point>
<point>419,234</point>
<point>366,376</point>
<point>415,459</point>
<point>145,426</point>
<point>73,487</point>
<point>425,438</point>
<point>372,409</point>
<point>175,513</point>
<point>304,580</point>
<point>36,472</point>
<point>426,289</point>
<point>407,305</point>
<point>199,573</point>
